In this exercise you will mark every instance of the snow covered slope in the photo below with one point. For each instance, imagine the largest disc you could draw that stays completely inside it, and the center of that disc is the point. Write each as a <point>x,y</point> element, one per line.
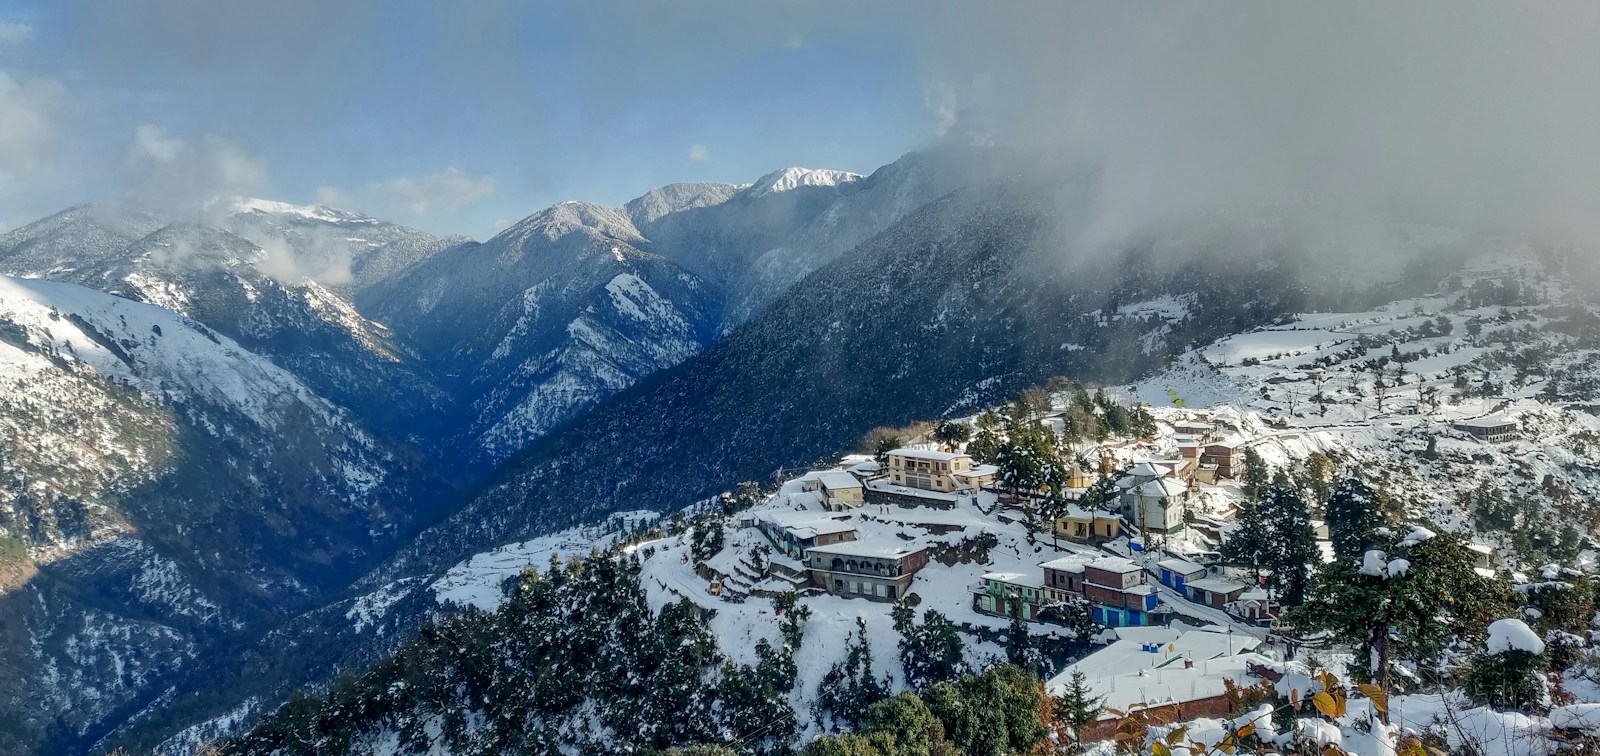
<point>1384,391</point>
<point>161,486</point>
<point>253,294</point>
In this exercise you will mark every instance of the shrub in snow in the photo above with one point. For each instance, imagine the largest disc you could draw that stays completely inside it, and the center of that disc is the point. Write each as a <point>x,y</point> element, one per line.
<point>1508,674</point>
<point>1513,635</point>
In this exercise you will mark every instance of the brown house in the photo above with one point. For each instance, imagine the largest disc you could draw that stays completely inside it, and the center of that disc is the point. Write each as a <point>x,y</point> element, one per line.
<point>1228,459</point>
<point>1214,592</point>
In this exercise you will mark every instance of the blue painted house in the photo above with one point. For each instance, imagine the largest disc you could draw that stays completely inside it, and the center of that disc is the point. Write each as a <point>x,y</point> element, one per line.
<point>1178,573</point>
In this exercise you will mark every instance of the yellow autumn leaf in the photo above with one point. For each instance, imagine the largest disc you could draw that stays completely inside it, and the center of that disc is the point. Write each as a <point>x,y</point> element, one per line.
<point>1380,699</point>
<point>1176,736</point>
<point>1325,704</point>
<point>1160,749</point>
<point>1244,732</point>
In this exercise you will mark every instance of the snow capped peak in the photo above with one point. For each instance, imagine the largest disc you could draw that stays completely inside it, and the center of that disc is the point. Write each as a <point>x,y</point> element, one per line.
<point>241,205</point>
<point>569,216</point>
<point>793,178</point>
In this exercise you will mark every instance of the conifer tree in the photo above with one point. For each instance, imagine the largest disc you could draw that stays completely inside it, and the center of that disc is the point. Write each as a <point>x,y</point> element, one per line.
<point>849,687</point>
<point>1353,514</point>
<point>1077,707</point>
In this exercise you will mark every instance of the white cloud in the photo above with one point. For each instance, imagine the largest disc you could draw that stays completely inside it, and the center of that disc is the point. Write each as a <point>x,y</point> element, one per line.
<point>447,191</point>
<point>14,33</point>
<point>172,174</point>
<point>501,225</point>
<point>699,153</point>
<point>795,42</point>
<point>28,127</point>
<point>940,99</point>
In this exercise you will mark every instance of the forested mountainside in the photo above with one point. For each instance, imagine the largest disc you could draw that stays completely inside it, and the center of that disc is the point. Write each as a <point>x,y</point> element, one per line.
<point>965,299</point>
<point>577,302</point>
<point>163,487</point>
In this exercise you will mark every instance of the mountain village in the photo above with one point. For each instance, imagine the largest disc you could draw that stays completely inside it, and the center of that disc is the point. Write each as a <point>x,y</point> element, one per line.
<point>1117,568</point>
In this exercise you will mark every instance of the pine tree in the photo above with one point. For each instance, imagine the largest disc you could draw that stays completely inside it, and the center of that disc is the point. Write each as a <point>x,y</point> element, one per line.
<point>1410,610</point>
<point>1353,514</point>
<point>1021,649</point>
<point>1076,708</point>
<point>1257,475</point>
<point>1293,545</point>
<point>930,651</point>
<point>849,688</point>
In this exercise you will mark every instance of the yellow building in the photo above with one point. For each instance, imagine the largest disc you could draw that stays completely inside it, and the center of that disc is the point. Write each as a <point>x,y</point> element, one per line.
<point>840,490</point>
<point>1081,525</point>
<point>946,472</point>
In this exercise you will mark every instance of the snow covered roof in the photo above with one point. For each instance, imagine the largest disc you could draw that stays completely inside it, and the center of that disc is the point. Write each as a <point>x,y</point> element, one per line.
<point>837,479</point>
<point>1147,665</point>
<point>1146,470</point>
<point>880,548</point>
<point>806,524</point>
<point>1488,421</point>
<point>1181,566</point>
<point>1162,488</point>
<point>1216,585</point>
<point>935,456</point>
<point>1025,580</point>
<point>977,471</point>
<point>1067,564</point>
<point>1115,564</point>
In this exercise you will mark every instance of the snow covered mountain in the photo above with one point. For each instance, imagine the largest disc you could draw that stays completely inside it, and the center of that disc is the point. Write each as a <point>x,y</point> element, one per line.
<point>344,251</point>
<point>231,284</point>
<point>163,487</point>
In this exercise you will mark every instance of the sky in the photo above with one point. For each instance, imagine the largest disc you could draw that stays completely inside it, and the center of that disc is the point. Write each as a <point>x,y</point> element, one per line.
<point>452,117</point>
<point>465,116</point>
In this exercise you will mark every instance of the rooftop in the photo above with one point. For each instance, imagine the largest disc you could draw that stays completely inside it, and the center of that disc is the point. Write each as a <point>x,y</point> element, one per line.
<point>1025,580</point>
<point>936,456</point>
<point>806,524</point>
<point>881,548</point>
<point>1181,566</point>
<point>1147,665</point>
<point>1217,585</point>
<point>1491,421</point>
<point>838,479</point>
<point>1067,564</point>
<point>1118,565</point>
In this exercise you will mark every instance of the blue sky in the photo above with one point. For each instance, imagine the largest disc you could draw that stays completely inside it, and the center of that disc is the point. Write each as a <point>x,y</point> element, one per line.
<point>451,117</point>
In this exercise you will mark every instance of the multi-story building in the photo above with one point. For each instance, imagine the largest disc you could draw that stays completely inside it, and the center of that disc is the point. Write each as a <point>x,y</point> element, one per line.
<point>1063,578</point>
<point>945,472</point>
<point>1078,524</point>
<point>1117,590</point>
<point>1226,458</point>
<point>1013,594</point>
<point>795,533</point>
<point>840,490</point>
<point>1114,587</point>
<point>877,569</point>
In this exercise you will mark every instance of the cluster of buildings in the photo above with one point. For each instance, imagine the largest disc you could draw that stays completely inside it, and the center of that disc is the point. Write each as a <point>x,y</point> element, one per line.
<point>827,549</point>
